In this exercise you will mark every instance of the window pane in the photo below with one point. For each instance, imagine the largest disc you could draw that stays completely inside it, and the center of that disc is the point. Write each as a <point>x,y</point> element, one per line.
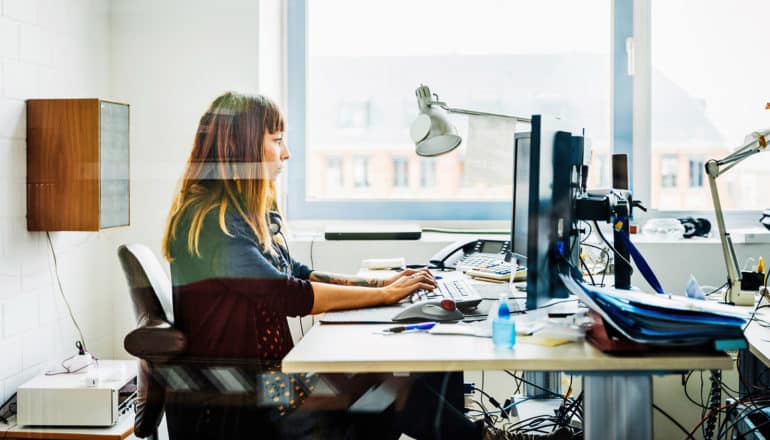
<point>709,89</point>
<point>512,57</point>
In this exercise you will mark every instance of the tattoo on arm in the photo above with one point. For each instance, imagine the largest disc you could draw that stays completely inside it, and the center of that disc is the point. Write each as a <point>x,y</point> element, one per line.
<point>344,280</point>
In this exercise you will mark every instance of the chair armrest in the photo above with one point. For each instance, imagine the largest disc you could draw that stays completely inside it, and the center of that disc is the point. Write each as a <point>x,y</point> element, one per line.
<point>155,340</point>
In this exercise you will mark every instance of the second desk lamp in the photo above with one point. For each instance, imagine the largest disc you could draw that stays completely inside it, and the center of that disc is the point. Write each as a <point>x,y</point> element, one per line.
<point>757,143</point>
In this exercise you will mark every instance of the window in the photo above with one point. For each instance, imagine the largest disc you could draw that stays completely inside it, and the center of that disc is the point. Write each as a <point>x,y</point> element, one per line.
<point>361,172</point>
<point>668,165</point>
<point>353,115</point>
<point>709,89</point>
<point>400,172</point>
<point>428,173</point>
<point>697,171</point>
<point>351,90</point>
<point>335,179</point>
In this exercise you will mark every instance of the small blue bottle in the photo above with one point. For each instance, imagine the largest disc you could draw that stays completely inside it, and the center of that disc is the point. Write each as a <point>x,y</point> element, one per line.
<point>503,327</point>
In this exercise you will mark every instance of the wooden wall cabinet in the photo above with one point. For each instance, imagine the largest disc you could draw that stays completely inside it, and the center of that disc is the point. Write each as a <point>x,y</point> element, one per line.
<point>77,164</point>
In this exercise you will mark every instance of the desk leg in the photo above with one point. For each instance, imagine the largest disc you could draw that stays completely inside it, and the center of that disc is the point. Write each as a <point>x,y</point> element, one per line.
<point>618,406</point>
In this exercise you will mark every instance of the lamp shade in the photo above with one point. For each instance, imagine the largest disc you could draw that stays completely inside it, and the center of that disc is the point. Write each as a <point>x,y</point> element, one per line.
<point>433,134</point>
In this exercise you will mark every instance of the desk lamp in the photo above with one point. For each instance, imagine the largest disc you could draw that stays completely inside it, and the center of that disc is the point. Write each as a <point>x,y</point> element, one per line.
<point>757,143</point>
<point>431,132</point>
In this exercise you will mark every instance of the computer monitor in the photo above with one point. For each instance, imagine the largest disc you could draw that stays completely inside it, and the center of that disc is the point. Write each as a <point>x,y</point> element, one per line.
<point>556,157</point>
<point>520,214</point>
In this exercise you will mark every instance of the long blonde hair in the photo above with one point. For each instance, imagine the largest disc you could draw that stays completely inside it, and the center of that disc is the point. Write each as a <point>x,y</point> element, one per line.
<point>226,170</point>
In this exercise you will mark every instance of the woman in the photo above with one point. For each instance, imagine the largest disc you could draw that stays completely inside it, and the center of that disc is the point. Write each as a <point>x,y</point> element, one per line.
<point>234,281</point>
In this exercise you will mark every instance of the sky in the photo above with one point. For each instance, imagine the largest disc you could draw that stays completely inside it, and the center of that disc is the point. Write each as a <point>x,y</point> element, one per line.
<point>418,27</point>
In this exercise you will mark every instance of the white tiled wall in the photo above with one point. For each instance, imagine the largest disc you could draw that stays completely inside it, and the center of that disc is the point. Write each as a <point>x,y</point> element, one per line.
<point>49,49</point>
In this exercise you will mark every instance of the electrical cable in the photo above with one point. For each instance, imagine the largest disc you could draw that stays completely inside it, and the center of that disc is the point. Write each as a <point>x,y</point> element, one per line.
<point>765,400</point>
<point>742,416</point>
<point>590,276</point>
<point>604,239</point>
<point>685,381</point>
<point>534,385</point>
<point>590,230</point>
<point>482,387</point>
<point>715,397</point>
<point>61,290</point>
<point>678,425</point>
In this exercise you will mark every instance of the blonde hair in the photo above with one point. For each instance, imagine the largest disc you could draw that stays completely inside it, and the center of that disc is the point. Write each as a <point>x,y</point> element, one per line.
<point>226,170</point>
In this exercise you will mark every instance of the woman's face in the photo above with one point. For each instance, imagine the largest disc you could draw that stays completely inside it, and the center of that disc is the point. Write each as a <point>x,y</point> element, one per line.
<point>274,152</point>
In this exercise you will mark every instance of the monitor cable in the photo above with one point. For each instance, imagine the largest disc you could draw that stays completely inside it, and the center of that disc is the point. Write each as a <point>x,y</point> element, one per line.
<point>606,242</point>
<point>61,291</point>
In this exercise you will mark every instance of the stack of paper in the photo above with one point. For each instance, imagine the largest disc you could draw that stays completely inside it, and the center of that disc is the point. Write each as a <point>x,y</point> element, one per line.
<point>662,319</point>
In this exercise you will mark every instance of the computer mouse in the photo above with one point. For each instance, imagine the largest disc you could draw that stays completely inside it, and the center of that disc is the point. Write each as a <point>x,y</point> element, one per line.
<point>444,310</point>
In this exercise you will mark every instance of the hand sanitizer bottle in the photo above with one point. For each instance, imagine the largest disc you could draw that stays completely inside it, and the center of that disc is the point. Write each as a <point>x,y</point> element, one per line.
<point>503,326</point>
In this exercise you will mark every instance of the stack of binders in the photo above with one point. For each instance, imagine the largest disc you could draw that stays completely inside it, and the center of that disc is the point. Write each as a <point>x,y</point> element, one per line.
<point>637,320</point>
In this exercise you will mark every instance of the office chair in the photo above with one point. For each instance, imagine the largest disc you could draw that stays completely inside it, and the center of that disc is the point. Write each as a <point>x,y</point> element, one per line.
<point>184,386</point>
<point>154,340</point>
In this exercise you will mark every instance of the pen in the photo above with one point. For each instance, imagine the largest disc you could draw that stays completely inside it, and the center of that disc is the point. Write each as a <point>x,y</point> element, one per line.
<point>403,328</point>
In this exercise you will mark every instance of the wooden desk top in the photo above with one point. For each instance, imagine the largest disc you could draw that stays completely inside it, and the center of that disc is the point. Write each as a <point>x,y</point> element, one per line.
<point>357,349</point>
<point>121,430</point>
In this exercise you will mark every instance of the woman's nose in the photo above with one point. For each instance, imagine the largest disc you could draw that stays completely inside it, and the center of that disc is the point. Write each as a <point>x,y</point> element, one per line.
<point>285,152</point>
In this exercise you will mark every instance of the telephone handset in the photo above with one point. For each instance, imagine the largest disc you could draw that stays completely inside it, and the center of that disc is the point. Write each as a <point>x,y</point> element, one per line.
<point>471,252</point>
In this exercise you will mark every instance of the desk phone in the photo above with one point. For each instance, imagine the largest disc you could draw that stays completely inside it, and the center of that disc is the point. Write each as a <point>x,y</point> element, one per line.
<point>472,253</point>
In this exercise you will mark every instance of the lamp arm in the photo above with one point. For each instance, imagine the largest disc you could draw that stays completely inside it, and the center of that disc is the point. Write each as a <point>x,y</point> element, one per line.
<point>728,251</point>
<point>475,113</point>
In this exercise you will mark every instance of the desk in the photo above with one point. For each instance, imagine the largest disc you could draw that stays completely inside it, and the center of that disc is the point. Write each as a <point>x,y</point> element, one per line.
<point>758,339</point>
<point>121,430</point>
<point>621,386</point>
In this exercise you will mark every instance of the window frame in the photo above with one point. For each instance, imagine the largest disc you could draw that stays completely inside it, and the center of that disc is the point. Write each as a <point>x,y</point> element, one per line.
<point>622,105</point>
<point>642,132</point>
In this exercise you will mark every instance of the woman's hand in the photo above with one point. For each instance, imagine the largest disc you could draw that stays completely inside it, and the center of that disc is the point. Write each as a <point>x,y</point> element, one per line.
<point>406,284</point>
<point>409,273</point>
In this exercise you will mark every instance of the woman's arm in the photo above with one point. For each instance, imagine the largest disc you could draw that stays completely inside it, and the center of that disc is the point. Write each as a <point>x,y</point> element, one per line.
<point>344,280</point>
<point>328,297</point>
<point>349,280</point>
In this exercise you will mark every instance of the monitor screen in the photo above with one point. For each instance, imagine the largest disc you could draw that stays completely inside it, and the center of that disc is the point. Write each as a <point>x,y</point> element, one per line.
<point>520,214</point>
<point>553,181</point>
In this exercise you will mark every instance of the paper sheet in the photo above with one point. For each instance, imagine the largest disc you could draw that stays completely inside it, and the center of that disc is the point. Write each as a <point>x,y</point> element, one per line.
<point>489,150</point>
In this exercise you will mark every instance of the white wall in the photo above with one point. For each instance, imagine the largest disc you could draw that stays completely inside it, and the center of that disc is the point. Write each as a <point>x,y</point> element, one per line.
<point>48,49</point>
<point>170,59</point>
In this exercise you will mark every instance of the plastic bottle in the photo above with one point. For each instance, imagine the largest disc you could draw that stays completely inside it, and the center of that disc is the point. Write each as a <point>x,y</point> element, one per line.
<point>503,327</point>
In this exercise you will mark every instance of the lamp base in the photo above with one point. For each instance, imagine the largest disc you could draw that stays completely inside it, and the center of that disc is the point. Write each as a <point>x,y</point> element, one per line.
<point>742,297</point>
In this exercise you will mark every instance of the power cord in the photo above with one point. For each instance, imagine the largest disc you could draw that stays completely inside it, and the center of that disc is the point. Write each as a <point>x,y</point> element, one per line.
<point>61,290</point>
<point>674,421</point>
<point>606,242</point>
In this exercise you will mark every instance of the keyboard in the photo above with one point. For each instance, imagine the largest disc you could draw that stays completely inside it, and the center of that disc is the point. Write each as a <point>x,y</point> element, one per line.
<point>458,290</point>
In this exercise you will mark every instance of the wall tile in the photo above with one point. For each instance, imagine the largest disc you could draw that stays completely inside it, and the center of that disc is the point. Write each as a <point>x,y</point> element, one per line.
<point>20,314</point>
<point>34,44</point>
<point>9,38</point>
<point>21,10</point>
<point>13,117</point>
<point>48,299</point>
<point>11,363</point>
<point>37,346</point>
<point>10,278</point>
<point>20,80</point>
<point>13,162</point>
<point>61,51</point>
